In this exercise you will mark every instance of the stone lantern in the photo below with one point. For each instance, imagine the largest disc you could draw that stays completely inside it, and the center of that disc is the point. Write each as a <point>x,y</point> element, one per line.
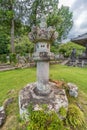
<point>43,37</point>
<point>42,91</point>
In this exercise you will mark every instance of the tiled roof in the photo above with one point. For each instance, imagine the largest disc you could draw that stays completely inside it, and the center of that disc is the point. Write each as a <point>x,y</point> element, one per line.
<point>81,39</point>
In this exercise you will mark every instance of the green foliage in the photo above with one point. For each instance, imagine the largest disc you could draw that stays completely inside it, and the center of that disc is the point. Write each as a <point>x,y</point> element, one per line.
<point>41,120</point>
<point>62,20</point>
<point>75,116</point>
<point>66,49</point>
<point>23,45</point>
<point>41,6</point>
<point>17,17</point>
<point>11,17</point>
<point>13,58</point>
<point>66,24</point>
<point>8,11</point>
<point>63,111</point>
<point>54,48</point>
<point>3,58</point>
<point>54,19</point>
<point>4,41</point>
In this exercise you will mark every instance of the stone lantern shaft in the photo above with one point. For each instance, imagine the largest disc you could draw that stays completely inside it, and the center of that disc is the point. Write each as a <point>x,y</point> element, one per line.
<point>43,76</point>
<point>42,37</point>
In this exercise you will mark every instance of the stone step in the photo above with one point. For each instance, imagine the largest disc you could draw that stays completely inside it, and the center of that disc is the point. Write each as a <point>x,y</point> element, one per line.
<point>8,66</point>
<point>4,67</point>
<point>3,64</point>
<point>65,62</point>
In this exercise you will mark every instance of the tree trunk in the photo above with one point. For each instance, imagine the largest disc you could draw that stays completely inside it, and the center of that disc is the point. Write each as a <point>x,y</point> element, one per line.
<point>12,37</point>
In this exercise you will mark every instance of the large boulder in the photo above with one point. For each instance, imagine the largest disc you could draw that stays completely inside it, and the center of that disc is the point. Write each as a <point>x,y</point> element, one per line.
<point>54,100</point>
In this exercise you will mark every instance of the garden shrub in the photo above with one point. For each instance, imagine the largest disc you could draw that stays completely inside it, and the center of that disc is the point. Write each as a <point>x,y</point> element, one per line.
<point>23,45</point>
<point>40,120</point>
<point>63,112</point>
<point>49,120</point>
<point>66,49</point>
<point>3,58</point>
<point>13,58</point>
<point>75,117</point>
<point>43,120</point>
<point>4,42</point>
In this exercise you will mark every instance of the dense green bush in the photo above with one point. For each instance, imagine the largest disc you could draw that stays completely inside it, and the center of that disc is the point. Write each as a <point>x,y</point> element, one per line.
<point>75,117</point>
<point>44,119</point>
<point>3,58</point>
<point>23,45</point>
<point>62,112</point>
<point>4,42</point>
<point>54,48</point>
<point>67,48</point>
<point>41,120</point>
<point>13,58</point>
<point>49,120</point>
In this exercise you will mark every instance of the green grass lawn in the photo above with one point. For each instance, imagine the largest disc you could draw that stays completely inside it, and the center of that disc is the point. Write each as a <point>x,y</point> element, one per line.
<point>17,79</point>
<point>70,74</point>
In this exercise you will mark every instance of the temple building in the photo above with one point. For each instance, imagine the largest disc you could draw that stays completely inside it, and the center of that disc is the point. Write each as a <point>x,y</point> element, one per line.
<point>82,40</point>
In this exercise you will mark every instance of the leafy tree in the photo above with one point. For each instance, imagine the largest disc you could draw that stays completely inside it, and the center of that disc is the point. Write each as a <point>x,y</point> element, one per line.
<point>7,17</point>
<point>18,16</point>
<point>62,20</point>
<point>41,6</point>
<point>66,23</point>
<point>4,41</point>
<point>10,19</point>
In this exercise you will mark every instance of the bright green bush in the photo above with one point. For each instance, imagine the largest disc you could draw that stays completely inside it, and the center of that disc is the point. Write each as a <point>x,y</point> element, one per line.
<point>54,48</point>
<point>62,112</point>
<point>49,120</point>
<point>75,116</point>
<point>3,58</point>
<point>66,49</point>
<point>41,120</point>
<point>23,45</point>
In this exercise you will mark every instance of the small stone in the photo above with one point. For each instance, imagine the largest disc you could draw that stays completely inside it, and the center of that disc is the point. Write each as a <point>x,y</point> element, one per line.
<point>2,116</point>
<point>50,107</point>
<point>73,89</point>
<point>37,107</point>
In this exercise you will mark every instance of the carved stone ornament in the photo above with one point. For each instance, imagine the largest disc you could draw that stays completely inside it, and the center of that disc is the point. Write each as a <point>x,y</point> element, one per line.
<point>42,33</point>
